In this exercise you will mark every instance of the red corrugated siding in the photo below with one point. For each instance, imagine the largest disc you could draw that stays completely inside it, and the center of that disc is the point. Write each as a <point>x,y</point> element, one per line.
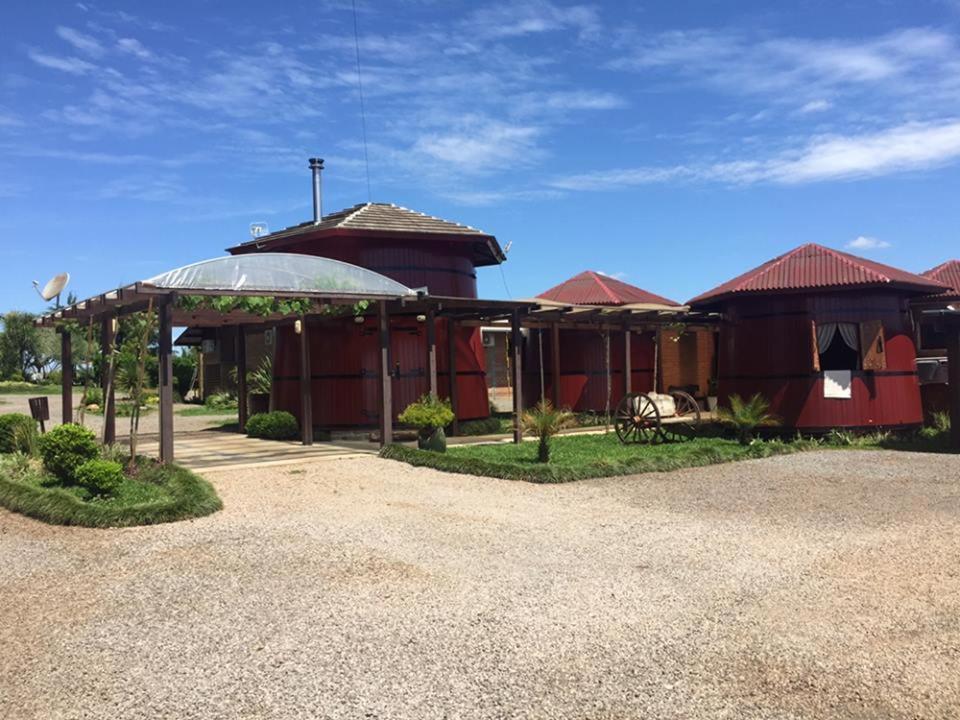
<point>815,267</point>
<point>766,347</point>
<point>345,361</point>
<point>583,377</point>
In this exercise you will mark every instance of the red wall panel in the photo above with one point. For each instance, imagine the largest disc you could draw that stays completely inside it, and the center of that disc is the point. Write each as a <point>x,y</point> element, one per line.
<point>766,347</point>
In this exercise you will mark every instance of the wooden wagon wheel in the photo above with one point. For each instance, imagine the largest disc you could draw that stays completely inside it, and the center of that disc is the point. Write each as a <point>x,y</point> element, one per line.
<point>637,419</point>
<point>685,422</point>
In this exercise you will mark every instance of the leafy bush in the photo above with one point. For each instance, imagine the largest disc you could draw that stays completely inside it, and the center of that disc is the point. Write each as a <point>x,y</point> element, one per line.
<point>184,371</point>
<point>93,395</point>
<point>745,416</point>
<point>221,401</point>
<point>941,421</point>
<point>18,433</point>
<point>100,477</point>
<point>486,426</point>
<point>277,425</point>
<point>543,422</point>
<point>427,413</point>
<point>66,448</point>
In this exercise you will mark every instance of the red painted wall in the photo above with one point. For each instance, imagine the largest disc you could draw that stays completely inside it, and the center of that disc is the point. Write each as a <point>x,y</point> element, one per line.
<point>345,360</point>
<point>766,347</point>
<point>583,377</point>
<point>444,267</point>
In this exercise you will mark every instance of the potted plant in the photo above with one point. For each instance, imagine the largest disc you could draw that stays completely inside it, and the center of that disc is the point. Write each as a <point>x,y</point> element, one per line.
<point>259,385</point>
<point>712,395</point>
<point>430,415</point>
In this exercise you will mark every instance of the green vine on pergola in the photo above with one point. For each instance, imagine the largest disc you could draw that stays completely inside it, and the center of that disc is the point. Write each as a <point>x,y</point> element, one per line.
<point>266,306</point>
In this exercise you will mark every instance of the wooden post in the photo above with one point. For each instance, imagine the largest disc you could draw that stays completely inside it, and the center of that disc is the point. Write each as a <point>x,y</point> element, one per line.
<point>555,361</point>
<point>242,409</point>
<point>66,368</point>
<point>516,341</point>
<point>306,391</point>
<point>627,369</point>
<point>953,380</point>
<point>432,351</point>
<point>452,364</point>
<point>386,379</point>
<point>165,386</point>
<point>107,339</point>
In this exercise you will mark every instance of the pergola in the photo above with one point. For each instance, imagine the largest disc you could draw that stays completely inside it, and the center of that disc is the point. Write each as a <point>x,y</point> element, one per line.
<point>947,320</point>
<point>327,284</point>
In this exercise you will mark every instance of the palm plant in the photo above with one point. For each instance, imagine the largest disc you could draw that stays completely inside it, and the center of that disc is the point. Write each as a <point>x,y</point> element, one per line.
<point>543,422</point>
<point>745,416</point>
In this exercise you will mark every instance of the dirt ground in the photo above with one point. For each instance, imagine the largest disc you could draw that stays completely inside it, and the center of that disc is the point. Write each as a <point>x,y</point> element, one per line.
<point>819,585</point>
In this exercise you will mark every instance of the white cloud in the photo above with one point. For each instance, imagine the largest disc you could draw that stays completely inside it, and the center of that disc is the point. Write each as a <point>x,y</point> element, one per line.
<point>528,17</point>
<point>864,242</point>
<point>82,42</point>
<point>481,145</point>
<point>815,106</point>
<point>132,46</point>
<point>913,146</point>
<point>72,65</point>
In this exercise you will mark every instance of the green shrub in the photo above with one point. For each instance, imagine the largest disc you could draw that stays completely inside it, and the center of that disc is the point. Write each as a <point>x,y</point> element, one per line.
<point>543,422</point>
<point>100,477</point>
<point>427,413</point>
<point>18,433</point>
<point>93,395</point>
<point>485,426</point>
<point>745,416</point>
<point>66,448</point>
<point>221,401</point>
<point>941,421</point>
<point>277,425</point>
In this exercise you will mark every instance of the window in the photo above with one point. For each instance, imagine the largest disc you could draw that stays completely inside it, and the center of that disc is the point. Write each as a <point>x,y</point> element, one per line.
<point>838,346</point>
<point>931,338</point>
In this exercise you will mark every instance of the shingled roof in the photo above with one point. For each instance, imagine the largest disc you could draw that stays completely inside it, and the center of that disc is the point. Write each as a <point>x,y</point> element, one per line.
<point>380,220</point>
<point>593,288</point>
<point>814,267</point>
<point>948,274</point>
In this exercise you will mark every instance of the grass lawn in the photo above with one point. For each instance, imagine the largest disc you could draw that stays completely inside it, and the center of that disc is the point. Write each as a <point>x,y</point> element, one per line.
<point>156,494</point>
<point>14,387</point>
<point>204,410</point>
<point>575,457</point>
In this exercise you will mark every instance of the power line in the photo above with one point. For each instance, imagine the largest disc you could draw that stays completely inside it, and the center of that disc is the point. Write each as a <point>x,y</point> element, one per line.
<point>363,112</point>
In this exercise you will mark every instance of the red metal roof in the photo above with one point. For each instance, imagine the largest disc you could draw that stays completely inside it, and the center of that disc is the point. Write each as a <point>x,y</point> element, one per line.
<point>947,273</point>
<point>593,288</point>
<point>814,267</point>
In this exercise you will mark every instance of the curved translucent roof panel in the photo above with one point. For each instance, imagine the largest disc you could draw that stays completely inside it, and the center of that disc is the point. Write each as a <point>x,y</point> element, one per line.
<point>279,272</point>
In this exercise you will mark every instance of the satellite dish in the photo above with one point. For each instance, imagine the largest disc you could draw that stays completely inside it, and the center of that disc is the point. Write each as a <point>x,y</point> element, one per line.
<point>258,230</point>
<point>53,288</point>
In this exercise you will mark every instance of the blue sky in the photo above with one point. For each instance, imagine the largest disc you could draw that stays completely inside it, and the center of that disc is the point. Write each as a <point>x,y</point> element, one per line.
<point>671,144</point>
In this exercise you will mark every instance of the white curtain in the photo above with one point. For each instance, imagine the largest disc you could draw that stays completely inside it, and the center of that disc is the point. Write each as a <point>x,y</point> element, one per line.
<point>827,331</point>
<point>848,331</point>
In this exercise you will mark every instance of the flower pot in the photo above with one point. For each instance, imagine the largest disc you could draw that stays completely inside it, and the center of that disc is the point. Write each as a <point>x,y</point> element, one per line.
<point>259,403</point>
<point>432,439</point>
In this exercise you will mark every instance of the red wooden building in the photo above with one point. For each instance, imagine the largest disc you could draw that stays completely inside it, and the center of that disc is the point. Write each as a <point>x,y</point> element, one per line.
<point>932,341</point>
<point>825,336</point>
<point>592,361</point>
<point>416,250</point>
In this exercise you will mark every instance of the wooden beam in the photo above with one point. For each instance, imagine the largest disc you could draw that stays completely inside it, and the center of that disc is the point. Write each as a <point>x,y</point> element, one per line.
<point>515,369</point>
<point>242,409</point>
<point>306,390</point>
<point>627,369</point>
<point>452,364</point>
<point>107,339</point>
<point>953,380</point>
<point>555,363</point>
<point>165,386</point>
<point>66,368</point>
<point>386,379</point>
<point>432,351</point>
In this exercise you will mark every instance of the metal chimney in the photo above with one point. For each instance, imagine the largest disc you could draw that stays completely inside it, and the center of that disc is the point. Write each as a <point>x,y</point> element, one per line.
<point>316,166</point>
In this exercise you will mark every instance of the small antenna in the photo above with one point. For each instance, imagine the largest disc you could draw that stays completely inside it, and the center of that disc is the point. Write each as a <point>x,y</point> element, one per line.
<point>53,288</point>
<point>258,230</point>
<point>506,248</point>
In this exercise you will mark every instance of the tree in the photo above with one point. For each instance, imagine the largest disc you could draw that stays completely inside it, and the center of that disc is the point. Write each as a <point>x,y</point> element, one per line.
<point>21,346</point>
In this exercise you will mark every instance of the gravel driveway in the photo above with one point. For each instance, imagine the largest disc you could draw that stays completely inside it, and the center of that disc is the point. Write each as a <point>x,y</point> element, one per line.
<point>819,585</point>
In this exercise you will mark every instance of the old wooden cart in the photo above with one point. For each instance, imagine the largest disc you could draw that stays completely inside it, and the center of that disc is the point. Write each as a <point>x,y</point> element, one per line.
<point>657,417</point>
